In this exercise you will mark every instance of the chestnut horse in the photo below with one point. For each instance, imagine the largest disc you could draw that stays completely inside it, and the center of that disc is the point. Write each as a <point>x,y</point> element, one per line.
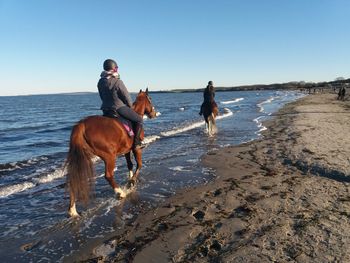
<point>210,111</point>
<point>106,138</point>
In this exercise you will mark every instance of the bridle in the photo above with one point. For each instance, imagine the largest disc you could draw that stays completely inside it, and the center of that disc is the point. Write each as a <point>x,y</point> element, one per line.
<point>153,110</point>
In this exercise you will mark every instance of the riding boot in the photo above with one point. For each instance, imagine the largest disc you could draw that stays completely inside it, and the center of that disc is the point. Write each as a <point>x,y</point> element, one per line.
<point>201,111</point>
<point>137,139</point>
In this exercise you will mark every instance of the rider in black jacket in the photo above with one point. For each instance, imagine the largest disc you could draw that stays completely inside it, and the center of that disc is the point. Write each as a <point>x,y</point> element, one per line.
<point>208,95</point>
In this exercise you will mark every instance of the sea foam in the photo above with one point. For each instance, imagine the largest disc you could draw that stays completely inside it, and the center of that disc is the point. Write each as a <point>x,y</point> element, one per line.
<point>231,101</point>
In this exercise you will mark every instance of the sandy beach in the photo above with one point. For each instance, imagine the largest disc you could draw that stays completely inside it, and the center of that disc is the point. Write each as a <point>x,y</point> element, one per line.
<point>282,198</point>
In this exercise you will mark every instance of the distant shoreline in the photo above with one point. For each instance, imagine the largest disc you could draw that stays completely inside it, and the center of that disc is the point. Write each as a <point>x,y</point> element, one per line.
<point>301,85</point>
<point>275,86</point>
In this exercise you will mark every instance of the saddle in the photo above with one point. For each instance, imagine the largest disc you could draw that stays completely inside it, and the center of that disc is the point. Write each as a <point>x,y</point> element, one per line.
<point>125,123</point>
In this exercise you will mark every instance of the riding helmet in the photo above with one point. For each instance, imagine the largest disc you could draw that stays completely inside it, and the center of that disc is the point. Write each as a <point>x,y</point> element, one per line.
<point>109,64</point>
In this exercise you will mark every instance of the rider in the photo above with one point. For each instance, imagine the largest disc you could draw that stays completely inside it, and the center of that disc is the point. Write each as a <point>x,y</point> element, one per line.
<point>208,95</point>
<point>116,99</point>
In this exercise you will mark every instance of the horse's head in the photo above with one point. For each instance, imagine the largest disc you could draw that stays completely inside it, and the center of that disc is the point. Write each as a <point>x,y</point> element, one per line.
<point>143,104</point>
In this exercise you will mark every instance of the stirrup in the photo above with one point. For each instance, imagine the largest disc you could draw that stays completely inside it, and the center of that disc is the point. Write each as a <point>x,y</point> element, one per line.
<point>140,145</point>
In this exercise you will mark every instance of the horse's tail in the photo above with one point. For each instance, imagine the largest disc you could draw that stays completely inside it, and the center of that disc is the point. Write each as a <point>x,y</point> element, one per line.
<point>214,109</point>
<point>212,119</point>
<point>214,113</point>
<point>80,170</point>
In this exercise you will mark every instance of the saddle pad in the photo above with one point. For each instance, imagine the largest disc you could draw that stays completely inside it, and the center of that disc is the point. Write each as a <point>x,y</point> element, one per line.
<point>127,125</point>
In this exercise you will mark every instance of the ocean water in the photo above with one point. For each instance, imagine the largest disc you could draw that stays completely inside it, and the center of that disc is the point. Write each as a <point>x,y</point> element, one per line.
<point>34,138</point>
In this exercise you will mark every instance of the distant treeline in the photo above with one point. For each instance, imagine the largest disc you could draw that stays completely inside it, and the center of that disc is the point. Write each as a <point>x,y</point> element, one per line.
<point>301,85</point>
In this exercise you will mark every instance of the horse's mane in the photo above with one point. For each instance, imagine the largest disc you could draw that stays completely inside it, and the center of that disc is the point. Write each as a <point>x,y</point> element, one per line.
<point>140,96</point>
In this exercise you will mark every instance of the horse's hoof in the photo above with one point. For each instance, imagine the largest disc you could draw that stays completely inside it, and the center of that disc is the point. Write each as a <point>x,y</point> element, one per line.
<point>120,196</point>
<point>120,193</point>
<point>73,214</point>
<point>131,183</point>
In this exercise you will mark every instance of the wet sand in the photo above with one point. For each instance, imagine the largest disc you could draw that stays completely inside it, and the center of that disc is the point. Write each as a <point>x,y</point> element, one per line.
<point>285,197</point>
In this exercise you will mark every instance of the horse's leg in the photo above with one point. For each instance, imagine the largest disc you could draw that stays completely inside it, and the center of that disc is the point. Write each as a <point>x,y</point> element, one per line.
<point>129,163</point>
<point>131,181</point>
<point>109,175</point>
<point>213,115</point>
<point>138,158</point>
<point>209,126</point>
<point>206,122</point>
<point>72,209</point>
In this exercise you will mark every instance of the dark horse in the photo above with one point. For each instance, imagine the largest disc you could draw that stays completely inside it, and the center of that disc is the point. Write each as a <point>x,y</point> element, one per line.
<point>106,138</point>
<point>210,111</point>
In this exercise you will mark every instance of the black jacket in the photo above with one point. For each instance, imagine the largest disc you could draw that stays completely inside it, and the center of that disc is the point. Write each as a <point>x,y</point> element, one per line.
<point>209,93</point>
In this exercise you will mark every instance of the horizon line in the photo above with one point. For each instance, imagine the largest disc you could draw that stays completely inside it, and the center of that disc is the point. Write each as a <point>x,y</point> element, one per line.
<point>187,89</point>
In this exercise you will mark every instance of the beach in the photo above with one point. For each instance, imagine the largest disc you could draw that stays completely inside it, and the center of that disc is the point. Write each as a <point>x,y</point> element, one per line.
<point>284,197</point>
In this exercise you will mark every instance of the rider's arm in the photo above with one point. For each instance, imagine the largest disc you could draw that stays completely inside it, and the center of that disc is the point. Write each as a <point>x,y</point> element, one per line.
<point>99,86</point>
<point>124,94</point>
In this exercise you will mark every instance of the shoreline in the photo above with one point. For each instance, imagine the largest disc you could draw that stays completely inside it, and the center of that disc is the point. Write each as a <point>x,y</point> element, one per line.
<point>283,197</point>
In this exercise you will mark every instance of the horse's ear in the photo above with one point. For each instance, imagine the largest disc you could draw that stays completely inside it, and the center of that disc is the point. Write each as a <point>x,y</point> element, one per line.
<point>147,91</point>
<point>140,90</point>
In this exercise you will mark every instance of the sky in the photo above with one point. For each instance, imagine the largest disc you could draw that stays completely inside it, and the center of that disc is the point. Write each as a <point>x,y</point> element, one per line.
<point>50,46</point>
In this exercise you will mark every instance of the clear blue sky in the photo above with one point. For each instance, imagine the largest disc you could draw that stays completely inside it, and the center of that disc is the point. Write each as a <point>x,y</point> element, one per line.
<point>50,46</point>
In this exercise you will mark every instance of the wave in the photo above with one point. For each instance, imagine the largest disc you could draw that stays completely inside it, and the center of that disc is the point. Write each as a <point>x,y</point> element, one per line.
<point>194,125</point>
<point>231,101</point>
<point>263,128</point>
<point>268,101</point>
<point>34,182</point>
<point>152,138</point>
<point>260,125</point>
<point>60,173</point>
<point>65,128</point>
<point>227,113</point>
<point>23,128</point>
<point>182,129</point>
<point>178,169</point>
<point>157,114</point>
<point>50,177</point>
<point>43,144</point>
<point>13,189</point>
<point>7,167</point>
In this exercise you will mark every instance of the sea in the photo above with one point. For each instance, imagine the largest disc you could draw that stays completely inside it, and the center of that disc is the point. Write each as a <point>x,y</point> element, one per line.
<point>34,139</point>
